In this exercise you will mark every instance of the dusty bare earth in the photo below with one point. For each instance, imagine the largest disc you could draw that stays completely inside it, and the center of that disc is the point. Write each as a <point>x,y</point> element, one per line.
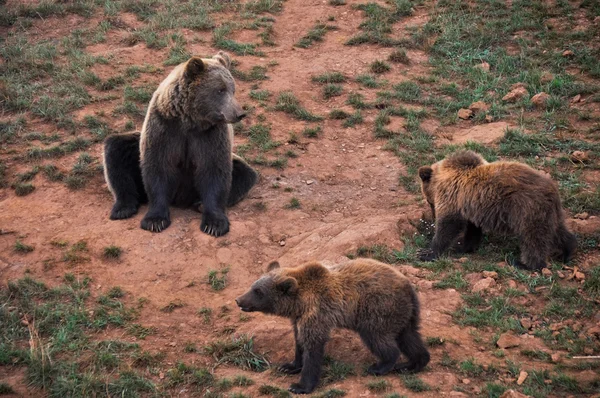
<point>345,180</point>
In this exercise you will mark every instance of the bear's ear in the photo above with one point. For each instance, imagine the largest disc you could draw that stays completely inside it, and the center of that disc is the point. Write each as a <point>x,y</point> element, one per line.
<point>223,58</point>
<point>288,286</point>
<point>425,173</point>
<point>272,265</point>
<point>194,67</point>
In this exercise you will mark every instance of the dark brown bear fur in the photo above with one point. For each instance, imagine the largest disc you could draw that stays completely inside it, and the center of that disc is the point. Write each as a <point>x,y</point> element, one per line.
<point>363,295</point>
<point>468,194</point>
<point>183,155</point>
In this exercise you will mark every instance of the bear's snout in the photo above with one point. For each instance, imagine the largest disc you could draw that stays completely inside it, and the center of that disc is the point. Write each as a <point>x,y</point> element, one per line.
<point>244,306</point>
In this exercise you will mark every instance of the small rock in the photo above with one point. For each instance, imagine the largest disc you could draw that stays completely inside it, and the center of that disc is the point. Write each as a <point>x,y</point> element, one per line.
<point>580,156</point>
<point>560,274</point>
<point>507,340</point>
<point>522,376</point>
<point>580,276</point>
<point>526,323</point>
<point>568,54</point>
<point>576,99</point>
<point>462,260</point>
<point>513,394</point>
<point>540,99</point>
<point>582,216</point>
<point>309,182</point>
<point>517,85</point>
<point>490,274</point>
<point>282,242</point>
<point>546,77</point>
<point>489,118</point>
<point>484,66</point>
<point>465,113</point>
<point>512,284</point>
<point>556,326</point>
<point>556,357</point>
<point>479,106</point>
<point>457,394</point>
<point>466,381</point>
<point>515,95</point>
<point>483,284</point>
<point>546,272</point>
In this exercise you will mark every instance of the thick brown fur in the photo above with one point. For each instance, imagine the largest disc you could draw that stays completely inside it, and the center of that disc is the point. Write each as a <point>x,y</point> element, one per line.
<point>471,196</point>
<point>185,150</point>
<point>363,295</point>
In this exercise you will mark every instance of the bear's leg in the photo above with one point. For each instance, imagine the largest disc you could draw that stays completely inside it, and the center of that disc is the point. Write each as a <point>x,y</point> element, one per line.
<point>567,242</point>
<point>123,174</point>
<point>447,230</point>
<point>213,190</point>
<point>295,367</point>
<point>243,178</point>
<point>159,187</point>
<point>384,347</point>
<point>472,239</point>
<point>312,362</point>
<point>534,251</point>
<point>410,343</point>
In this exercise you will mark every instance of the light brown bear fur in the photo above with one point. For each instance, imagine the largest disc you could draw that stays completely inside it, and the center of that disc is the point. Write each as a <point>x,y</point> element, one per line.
<point>468,194</point>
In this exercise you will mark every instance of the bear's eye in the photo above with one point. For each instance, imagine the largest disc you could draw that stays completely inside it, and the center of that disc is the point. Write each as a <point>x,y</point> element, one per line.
<point>258,293</point>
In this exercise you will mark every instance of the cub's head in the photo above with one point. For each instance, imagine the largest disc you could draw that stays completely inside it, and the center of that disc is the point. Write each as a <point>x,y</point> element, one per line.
<point>274,293</point>
<point>210,90</point>
<point>427,188</point>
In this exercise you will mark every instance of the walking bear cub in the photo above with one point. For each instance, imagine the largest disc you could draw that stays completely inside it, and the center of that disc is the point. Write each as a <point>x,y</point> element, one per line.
<point>183,154</point>
<point>363,295</point>
<point>468,194</point>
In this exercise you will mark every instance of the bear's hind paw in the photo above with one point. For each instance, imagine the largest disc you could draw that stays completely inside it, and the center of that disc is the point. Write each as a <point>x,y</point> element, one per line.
<point>290,368</point>
<point>297,388</point>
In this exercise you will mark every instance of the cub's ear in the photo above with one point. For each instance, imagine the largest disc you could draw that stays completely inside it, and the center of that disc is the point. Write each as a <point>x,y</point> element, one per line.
<point>272,265</point>
<point>223,58</point>
<point>194,67</point>
<point>288,286</point>
<point>425,173</point>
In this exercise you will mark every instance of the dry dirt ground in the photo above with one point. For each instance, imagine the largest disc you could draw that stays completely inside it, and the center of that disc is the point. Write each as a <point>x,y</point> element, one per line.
<point>347,186</point>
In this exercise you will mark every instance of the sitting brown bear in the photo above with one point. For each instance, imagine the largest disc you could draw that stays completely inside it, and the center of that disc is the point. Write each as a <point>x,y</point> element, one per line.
<point>468,194</point>
<point>363,295</point>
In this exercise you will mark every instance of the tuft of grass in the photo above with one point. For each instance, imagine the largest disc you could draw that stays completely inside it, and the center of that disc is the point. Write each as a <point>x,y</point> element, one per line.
<point>239,351</point>
<point>273,391</point>
<point>316,34</point>
<point>435,341</point>
<point>294,204</point>
<point>332,90</point>
<point>369,81</point>
<point>288,103</point>
<point>354,119</point>
<point>6,389</point>
<point>112,252</point>
<point>216,282</point>
<point>414,383</point>
<point>338,114</point>
<point>592,282</point>
<point>332,393</point>
<point>75,253</point>
<point>334,370</point>
<point>23,189</point>
<point>221,40</point>
<point>337,2</point>
<point>399,57</point>
<point>312,132</point>
<point>21,247</point>
<point>172,306</point>
<point>139,331</point>
<point>356,100</point>
<point>380,67</point>
<point>260,95</point>
<point>379,386</point>
<point>256,73</point>
<point>329,78</point>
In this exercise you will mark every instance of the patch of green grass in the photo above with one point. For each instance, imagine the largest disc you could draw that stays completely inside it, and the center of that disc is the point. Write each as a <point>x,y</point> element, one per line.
<point>112,252</point>
<point>537,354</point>
<point>414,383</point>
<point>139,331</point>
<point>172,306</point>
<point>288,103</point>
<point>494,390</point>
<point>334,371</point>
<point>260,95</point>
<point>239,351</point>
<point>496,312</point>
<point>378,386</point>
<point>332,393</point>
<point>273,391</point>
<point>338,114</point>
<point>21,247</point>
<point>312,132</point>
<point>435,341</point>
<point>242,381</point>
<point>60,150</point>
<point>75,253</point>
<point>221,40</point>
<point>294,204</point>
<point>316,34</point>
<point>377,26</point>
<point>141,95</point>
<point>259,136</point>
<point>332,90</point>
<point>264,6</point>
<point>471,368</point>
<point>337,2</point>
<point>369,81</point>
<point>454,280</point>
<point>23,189</point>
<point>330,78</point>
<point>592,282</point>
<point>380,67</point>
<point>256,73</point>
<point>354,119</point>
<point>216,282</point>
<point>399,57</point>
<point>357,101</point>
<point>6,389</point>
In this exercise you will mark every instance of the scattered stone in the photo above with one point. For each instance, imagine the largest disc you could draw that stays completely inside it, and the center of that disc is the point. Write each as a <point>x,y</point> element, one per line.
<point>546,272</point>
<point>479,106</point>
<point>309,182</point>
<point>484,66</point>
<point>483,134</point>
<point>507,340</point>
<point>513,394</point>
<point>580,276</point>
<point>518,85</point>
<point>582,216</point>
<point>522,376</point>
<point>515,94</point>
<point>526,323</point>
<point>512,284</point>
<point>462,260</point>
<point>561,274</point>
<point>580,156</point>
<point>556,357</point>
<point>568,54</point>
<point>540,99</point>
<point>466,381</point>
<point>546,77</point>
<point>490,274</point>
<point>282,242</point>
<point>483,284</point>
<point>465,113</point>
<point>556,326</point>
<point>489,118</point>
<point>576,99</point>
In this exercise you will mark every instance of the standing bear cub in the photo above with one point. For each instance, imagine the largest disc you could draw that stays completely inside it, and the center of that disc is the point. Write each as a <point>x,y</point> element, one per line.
<point>363,295</point>
<point>183,155</point>
<point>471,196</point>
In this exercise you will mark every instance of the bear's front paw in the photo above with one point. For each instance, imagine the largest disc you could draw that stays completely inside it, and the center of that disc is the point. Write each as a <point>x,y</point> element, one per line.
<point>297,388</point>
<point>155,224</point>
<point>214,224</point>
<point>121,211</point>
<point>426,255</point>
<point>290,368</point>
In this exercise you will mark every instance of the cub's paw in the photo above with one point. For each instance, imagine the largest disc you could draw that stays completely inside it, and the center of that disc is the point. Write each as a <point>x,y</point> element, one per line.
<point>121,211</point>
<point>379,370</point>
<point>426,255</point>
<point>155,224</point>
<point>290,368</point>
<point>297,388</point>
<point>214,224</point>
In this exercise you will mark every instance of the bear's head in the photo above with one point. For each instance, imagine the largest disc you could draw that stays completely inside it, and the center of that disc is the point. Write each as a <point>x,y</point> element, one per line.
<point>209,90</point>
<point>274,293</point>
<point>426,174</point>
